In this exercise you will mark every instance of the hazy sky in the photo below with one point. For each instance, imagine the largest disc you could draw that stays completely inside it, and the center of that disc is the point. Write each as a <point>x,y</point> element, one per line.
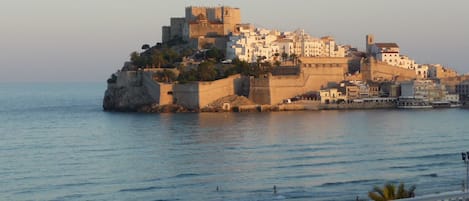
<point>87,40</point>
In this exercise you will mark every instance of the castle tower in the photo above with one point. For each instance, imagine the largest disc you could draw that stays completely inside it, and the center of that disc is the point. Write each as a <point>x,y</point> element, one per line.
<point>230,17</point>
<point>370,41</point>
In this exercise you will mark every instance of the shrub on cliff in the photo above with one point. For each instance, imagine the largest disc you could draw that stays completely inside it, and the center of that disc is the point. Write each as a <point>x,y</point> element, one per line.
<point>165,76</point>
<point>112,79</point>
<point>206,71</point>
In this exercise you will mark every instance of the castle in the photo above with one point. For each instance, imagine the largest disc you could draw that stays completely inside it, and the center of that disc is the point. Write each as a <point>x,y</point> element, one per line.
<point>203,25</point>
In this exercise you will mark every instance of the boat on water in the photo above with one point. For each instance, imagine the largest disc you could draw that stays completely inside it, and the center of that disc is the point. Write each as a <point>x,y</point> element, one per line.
<point>413,103</point>
<point>445,104</point>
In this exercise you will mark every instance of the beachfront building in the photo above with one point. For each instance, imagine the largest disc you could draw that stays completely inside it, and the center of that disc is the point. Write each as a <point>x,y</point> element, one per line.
<point>462,89</point>
<point>428,90</point>
<point>359,89</point>
<point>332,95</point>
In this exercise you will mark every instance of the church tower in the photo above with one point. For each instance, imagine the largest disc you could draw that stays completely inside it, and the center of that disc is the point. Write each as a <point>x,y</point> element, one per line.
<point>370,41</point>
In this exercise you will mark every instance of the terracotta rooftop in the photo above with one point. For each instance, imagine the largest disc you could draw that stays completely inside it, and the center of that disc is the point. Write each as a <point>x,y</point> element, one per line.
<point>387,45</point>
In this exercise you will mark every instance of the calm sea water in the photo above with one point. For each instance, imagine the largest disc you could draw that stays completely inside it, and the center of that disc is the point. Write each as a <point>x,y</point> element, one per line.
<point>57,144</point>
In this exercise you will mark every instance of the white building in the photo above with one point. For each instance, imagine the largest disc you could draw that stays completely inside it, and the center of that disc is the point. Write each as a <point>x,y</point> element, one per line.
<point>406,62</point>
<point>302,44</point>
<point>332,95</point>
<point>425,89</point>
<point>390,54</point>
<point>386,52</point>
<point>422,71</point>
<point>251,45</point>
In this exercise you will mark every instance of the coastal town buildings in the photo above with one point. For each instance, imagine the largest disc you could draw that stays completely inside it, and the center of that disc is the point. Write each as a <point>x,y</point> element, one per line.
<point>390,54</point>
<point>350,91</point>
<point>332,95</point>
<point>253,44</point>
<point>428,90</point>
<point>463,90</point>
<point>270,45</point>
<point>439,71</point>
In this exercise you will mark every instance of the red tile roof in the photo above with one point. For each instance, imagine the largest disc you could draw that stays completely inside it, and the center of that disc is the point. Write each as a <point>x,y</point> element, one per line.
<point>387,45</point>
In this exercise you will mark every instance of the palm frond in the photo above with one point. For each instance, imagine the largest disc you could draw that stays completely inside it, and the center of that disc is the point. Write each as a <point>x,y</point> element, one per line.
<point>375,196</point>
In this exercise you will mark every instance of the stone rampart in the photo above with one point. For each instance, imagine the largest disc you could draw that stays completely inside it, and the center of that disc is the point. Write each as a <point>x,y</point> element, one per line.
<point>380,71</point>
<point>274,89</point>
<point>199,94</point>
<point>128,78</point>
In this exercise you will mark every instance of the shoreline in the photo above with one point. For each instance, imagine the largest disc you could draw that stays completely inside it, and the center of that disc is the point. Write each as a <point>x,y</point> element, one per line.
<point>300,106</point>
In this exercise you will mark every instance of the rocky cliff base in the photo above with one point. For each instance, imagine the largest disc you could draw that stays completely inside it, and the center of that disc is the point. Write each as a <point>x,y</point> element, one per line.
<point>126,99</point>
<point>135,99</point>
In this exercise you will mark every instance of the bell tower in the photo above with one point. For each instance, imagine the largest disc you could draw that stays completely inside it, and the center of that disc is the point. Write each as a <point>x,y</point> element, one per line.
<point>370,41</point>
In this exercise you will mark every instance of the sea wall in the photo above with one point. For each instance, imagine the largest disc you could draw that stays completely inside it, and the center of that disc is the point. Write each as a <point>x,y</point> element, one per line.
<point>380,71</point>
<point>199,94</point>
<point>132,90</point>
<point>356,106</point>
<point>274,89</point>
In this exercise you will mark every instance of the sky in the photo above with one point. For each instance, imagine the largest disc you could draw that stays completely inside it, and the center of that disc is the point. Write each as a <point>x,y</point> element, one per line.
<point>88,40</point>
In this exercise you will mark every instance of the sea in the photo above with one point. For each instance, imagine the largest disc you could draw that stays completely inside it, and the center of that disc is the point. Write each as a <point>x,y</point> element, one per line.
<point>56,143</point>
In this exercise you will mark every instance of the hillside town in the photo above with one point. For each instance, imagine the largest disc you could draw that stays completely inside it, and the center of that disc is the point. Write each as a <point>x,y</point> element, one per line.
<point>209,60</point>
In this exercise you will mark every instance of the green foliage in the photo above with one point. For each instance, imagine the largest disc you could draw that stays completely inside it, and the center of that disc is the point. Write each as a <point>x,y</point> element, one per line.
<point>388,192</point>
<point>165,76</point>
<point>155,57</point>
<point>206,71</point>
<point>231,71</point>
<point>145,47</point>
<point>242,67</point>
<point>137,59</point>
<point>170,55</point>
<point>187,76</point>
<point>158,59</point>
<point>215,53</point>
<point>112,79</point>
<point>187,52</point>
<point>170,75</point>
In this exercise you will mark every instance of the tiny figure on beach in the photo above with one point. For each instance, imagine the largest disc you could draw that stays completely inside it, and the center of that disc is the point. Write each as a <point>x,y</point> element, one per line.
<point>218,188</point>
<point>275,190</point>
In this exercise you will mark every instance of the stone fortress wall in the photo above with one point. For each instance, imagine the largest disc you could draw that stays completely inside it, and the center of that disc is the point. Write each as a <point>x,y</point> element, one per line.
<point>379,71</point>
<point>316,73</point>
<point>139,87</point>
<point>200,94</point>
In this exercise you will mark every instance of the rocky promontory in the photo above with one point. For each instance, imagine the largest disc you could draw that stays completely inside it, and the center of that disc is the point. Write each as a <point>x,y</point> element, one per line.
<point>126,98</point>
